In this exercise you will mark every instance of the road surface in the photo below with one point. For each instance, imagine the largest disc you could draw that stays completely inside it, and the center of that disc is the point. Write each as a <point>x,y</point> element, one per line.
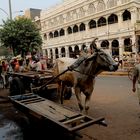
<point>112,98</point>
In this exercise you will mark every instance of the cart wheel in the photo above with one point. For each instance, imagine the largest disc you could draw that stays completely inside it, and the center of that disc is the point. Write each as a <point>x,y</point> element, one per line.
<point>16,87</point>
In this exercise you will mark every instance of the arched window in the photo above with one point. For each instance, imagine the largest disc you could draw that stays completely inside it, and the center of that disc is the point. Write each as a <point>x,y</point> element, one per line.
<point>126,15</point>
<point>74,15</point>
<point>71,53</point>
<point>51,35</point>
<point>128,45</point>
<point>111,3</point>
<point>82,27</point>
<point>92,24</point>
<point>105,44</point>
<point>91,9</point>
<point>51,53</point>
<point>69,30</point>
<point>76,51</point>
<point>112,19</point>
<point>100,6</point>
<point>63,53</point>
<point>56,53</point>
<point>45,36</point>
<point>75,29</point>
<point>56,34</point>
<point>62,32</point>
<point>101,22</point>
<point>81,12</point>
<point>61,19</point>
<point>115,48</point>
<point>68,17</point>
<point>83,47</point>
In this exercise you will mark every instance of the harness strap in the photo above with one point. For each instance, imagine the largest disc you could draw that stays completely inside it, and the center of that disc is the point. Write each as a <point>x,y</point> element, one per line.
<point>93,76</point>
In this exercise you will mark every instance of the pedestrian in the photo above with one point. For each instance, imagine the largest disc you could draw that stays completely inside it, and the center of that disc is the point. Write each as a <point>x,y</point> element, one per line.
<point>136,78</point>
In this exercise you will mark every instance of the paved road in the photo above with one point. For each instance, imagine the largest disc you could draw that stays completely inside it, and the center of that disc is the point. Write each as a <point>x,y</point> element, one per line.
<point>112,99</point>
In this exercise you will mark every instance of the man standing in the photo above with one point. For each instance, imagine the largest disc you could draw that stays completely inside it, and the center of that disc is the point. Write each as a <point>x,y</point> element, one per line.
<point>136,78</point>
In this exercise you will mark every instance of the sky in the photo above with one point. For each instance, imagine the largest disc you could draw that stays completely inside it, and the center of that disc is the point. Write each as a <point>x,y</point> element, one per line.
<point>22,5</point>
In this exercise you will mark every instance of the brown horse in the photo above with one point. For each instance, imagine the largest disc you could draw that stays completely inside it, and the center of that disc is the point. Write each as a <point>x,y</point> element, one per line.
<point>82,73</point>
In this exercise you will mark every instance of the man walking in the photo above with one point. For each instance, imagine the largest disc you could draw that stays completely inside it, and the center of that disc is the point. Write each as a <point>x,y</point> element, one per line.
<point>136,78</point>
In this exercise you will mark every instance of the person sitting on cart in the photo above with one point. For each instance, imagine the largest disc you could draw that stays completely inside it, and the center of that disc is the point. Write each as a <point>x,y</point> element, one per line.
<point>27,66</point>
<point>4,72</point>
<point>36,64</point>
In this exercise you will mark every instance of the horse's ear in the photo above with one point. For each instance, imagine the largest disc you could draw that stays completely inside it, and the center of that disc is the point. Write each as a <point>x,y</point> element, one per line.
<point>93,44</point>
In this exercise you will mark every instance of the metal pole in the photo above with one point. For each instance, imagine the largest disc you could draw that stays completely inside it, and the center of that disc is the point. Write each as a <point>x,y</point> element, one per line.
<point>10,10</point>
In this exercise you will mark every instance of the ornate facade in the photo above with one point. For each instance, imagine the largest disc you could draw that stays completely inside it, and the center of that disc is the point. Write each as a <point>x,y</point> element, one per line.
<point>70,27</point>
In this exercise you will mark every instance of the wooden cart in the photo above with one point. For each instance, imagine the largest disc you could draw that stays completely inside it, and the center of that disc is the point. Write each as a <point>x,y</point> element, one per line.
<point>24,82</point>
<point>46,110</point>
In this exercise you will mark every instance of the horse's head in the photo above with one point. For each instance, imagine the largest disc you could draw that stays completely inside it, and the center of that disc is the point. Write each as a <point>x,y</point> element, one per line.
<point>103,59</point>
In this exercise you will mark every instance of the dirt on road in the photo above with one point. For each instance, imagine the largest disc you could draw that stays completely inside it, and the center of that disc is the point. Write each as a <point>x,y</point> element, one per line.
<point>117,104</point>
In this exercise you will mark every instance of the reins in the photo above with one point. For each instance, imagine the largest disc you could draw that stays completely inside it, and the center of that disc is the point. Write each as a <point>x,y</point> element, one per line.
<point>93,76</point>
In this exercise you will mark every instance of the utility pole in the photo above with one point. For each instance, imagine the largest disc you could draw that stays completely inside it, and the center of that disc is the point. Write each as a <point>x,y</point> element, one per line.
<point>10,10</point>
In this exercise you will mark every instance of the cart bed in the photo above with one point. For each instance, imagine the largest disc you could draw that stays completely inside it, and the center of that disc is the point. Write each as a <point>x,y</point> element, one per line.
<point>39,107</point>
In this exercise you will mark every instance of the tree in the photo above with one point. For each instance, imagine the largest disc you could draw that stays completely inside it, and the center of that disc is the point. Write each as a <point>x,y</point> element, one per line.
<point>21,35</point>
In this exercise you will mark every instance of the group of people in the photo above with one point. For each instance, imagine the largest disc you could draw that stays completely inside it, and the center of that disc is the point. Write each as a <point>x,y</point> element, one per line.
<point>33,63</point>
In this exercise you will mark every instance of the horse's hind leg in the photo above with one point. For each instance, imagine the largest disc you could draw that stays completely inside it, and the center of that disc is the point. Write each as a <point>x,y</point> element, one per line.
<point>79,98</point>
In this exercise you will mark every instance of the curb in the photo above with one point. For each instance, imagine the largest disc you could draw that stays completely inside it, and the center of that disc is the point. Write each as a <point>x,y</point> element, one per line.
<point>119,73</point>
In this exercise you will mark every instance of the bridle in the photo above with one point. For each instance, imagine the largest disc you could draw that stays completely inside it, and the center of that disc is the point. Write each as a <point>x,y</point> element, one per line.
<point>93,76</point>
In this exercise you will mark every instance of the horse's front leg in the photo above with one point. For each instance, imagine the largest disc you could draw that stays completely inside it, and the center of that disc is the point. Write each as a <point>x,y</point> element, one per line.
<point>79,98</point>
<point>87,101</point>
<point>88,93</point>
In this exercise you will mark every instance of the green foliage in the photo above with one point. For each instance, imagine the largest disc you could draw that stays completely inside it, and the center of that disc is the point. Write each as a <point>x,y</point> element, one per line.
<point>21,35</point>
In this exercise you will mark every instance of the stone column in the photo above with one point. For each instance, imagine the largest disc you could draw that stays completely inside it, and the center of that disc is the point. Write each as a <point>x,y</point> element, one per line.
<point>59,52</point>
<point>134,43</point>
<point>110,46</point>
<point>121,48</point>
<point>80,46</point>
<point>67,51</point>
<point>120,20</point>
<point>49,53</point>
<point>133,16</point>
<point>44,52</point>
<point>53,51</point>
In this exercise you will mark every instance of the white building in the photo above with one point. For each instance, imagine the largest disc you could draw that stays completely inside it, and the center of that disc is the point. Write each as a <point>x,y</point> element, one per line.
<point>70,26</point>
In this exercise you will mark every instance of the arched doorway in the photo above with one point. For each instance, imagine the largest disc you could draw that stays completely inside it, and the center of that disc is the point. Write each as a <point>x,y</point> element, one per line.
<point>83,47</point>
<point>126,15</point>
<point>128,45</point>
<point>115,48</point>
<point>56,53</point>
<point>63,52</point>
<point>51,53</point>
<point>76,51</point>
<point>46,52</point>
<point>105,44</point>
<point>70,52</point>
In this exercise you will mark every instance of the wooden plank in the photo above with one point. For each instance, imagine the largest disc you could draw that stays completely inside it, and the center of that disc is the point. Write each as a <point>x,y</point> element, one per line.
<point>64,111</point>
<point>74,119</point>
<point>85,124</point>
<point>30,99</point>
<point>46,111</point>
<point>33,101</point>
